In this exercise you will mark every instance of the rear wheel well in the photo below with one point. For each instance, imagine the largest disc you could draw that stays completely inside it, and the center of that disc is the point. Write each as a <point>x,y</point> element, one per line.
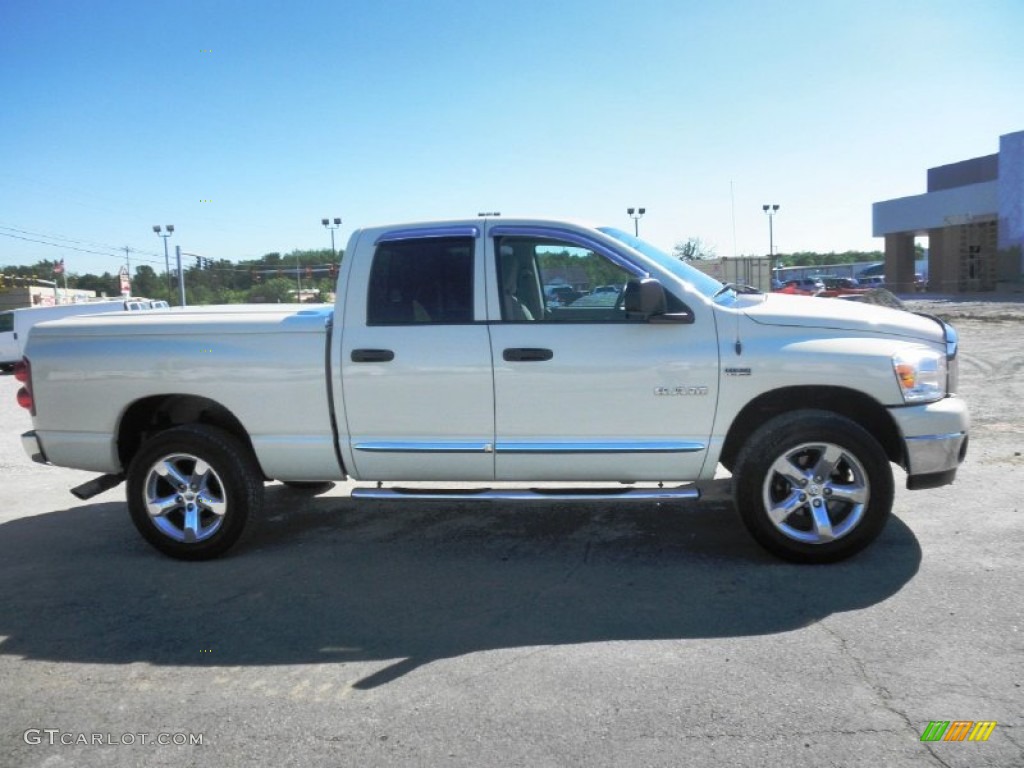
<point>150,415</point>
<point>856,406</point>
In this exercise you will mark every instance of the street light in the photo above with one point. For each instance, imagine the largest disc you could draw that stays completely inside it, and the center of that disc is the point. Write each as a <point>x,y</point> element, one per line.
<point>327,223</point>
<point>167,259</point>
<point>771,210</point>
<point>636,214</point>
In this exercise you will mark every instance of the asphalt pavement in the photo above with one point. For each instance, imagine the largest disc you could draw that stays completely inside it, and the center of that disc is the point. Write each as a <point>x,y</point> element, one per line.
<point>381,634</point>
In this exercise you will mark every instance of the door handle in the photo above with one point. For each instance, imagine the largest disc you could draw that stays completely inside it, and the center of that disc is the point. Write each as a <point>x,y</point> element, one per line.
<point>372,355</point>
<point>527,355</point>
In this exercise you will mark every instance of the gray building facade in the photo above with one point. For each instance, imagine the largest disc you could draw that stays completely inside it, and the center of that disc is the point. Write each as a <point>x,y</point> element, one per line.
<point>973,216</point>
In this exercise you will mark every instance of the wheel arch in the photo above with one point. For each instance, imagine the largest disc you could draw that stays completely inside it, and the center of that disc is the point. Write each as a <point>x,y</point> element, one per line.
<point>851,403</point>
<point>150,415</point>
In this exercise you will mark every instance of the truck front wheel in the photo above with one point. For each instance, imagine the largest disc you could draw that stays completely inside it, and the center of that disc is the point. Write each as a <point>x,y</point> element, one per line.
<point>192,490</point>
<point>813,486</point>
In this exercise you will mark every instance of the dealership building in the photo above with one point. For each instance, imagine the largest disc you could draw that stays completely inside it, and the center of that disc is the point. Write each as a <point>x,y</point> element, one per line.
<point>973,217</point>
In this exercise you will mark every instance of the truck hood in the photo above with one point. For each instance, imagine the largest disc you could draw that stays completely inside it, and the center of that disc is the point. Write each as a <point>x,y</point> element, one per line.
<point>839,315</point>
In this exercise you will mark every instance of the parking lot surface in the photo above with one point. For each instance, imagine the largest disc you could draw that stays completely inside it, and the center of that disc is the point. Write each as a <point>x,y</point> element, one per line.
<point>356,633</point>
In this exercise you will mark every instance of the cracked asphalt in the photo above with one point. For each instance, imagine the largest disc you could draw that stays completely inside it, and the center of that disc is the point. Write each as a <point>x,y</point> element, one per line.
<point>371,634</point>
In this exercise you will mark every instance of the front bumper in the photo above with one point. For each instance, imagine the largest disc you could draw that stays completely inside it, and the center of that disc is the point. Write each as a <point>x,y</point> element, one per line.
<point>34,449</point>
<point>935,438</point>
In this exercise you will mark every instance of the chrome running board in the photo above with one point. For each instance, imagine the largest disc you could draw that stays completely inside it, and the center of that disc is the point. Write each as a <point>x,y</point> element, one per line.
<point>679,493</point>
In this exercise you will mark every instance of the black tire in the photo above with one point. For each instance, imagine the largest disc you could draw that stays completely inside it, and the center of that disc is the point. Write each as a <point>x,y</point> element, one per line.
<point>224,487</point>
<point>806,516</point>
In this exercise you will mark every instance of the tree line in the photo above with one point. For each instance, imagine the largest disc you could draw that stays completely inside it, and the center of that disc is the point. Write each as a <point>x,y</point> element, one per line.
<point>270,279</point>
<point>695,249</point>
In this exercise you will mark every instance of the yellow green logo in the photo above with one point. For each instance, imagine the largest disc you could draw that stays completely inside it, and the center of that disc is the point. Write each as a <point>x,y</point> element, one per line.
<point>958,730</point>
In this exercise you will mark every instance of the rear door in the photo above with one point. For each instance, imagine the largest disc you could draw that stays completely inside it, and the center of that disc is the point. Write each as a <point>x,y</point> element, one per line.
<point>416,358</point>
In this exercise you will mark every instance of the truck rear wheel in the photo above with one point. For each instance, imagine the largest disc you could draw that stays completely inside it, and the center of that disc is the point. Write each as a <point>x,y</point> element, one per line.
<point>193,490</point>
<point>813,487</point>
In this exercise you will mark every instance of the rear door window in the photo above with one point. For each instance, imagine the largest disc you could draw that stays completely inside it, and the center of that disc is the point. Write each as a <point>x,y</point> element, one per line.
<point>422,282</point>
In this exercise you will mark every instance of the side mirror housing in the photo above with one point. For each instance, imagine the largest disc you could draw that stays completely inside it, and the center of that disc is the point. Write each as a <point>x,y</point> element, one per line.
<point>645,298</point>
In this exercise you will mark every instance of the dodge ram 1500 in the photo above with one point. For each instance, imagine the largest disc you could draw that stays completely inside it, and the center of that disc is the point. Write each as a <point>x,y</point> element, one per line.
<point>444,360</point>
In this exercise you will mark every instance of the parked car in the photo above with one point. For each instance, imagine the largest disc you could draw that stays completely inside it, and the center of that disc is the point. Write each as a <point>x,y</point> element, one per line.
<point>560,294</point>
<point>806,286</point>
<point>842,286</point>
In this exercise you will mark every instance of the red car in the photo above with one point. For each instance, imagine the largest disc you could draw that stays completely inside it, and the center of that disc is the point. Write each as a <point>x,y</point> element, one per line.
<point>805,286</point>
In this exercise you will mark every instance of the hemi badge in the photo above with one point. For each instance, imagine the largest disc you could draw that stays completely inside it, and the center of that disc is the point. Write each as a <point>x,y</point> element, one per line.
<point>737,371</point>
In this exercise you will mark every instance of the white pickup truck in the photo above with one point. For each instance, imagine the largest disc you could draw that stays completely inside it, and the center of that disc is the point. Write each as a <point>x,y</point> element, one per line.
<point>16,323</point>
<point>442,362</point>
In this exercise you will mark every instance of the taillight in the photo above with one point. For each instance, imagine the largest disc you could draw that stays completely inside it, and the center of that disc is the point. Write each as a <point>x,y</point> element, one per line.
<point>23,373</point>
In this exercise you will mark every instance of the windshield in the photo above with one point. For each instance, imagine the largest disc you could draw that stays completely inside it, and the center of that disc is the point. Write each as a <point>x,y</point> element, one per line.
<point>702,283</point>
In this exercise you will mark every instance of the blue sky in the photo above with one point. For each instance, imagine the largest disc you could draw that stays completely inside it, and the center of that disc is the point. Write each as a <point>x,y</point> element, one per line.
<point>244,124</point>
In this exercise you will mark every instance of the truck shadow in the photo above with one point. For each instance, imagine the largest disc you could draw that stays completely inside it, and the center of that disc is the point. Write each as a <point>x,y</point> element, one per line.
<point>330,580</point>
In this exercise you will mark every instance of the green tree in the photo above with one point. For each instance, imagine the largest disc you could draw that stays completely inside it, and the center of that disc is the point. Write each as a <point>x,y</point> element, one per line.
<point>693,249</point>
<point>147,283</point>
<point>274,291</point>
<point>104,285</point>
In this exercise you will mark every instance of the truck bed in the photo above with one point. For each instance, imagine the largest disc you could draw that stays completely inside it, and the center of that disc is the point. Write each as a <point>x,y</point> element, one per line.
<point>265,364</point>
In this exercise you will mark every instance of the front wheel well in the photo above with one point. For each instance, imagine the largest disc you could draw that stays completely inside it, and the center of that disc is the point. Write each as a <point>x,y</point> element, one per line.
<point>151,415</point>
<point>852,404</point>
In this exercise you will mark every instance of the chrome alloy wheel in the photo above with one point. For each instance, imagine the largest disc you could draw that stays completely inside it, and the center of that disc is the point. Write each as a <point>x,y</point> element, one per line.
<point>185,498</point>
<point>816,493</point>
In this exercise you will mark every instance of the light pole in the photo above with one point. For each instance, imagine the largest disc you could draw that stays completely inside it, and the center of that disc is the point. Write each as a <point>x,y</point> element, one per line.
<point>167,259</point>
<point>327,223</point>
<point>771,210</point>
<point>200,260</point>
<point>181,276</point>
<point>636,214</point>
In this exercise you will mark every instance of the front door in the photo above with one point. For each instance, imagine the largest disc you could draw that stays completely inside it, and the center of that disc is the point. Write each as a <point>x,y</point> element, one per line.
<point>583,392</point>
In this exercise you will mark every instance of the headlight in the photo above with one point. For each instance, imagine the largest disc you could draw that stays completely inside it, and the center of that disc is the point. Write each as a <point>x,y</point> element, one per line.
<point>921,374</point>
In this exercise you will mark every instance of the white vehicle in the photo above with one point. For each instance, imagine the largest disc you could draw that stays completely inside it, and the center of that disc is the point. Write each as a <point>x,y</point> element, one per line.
<point>15,323</point>
<point>442,361</point>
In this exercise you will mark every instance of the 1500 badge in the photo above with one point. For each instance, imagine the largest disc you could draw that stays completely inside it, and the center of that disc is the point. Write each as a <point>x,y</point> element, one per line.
<point>680,391</point>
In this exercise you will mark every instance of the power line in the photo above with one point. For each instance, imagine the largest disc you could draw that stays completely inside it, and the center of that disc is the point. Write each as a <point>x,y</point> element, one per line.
<point>235,267</point>
<point>49,237</point>
<point>75,248</point>
<point>67,239</point>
